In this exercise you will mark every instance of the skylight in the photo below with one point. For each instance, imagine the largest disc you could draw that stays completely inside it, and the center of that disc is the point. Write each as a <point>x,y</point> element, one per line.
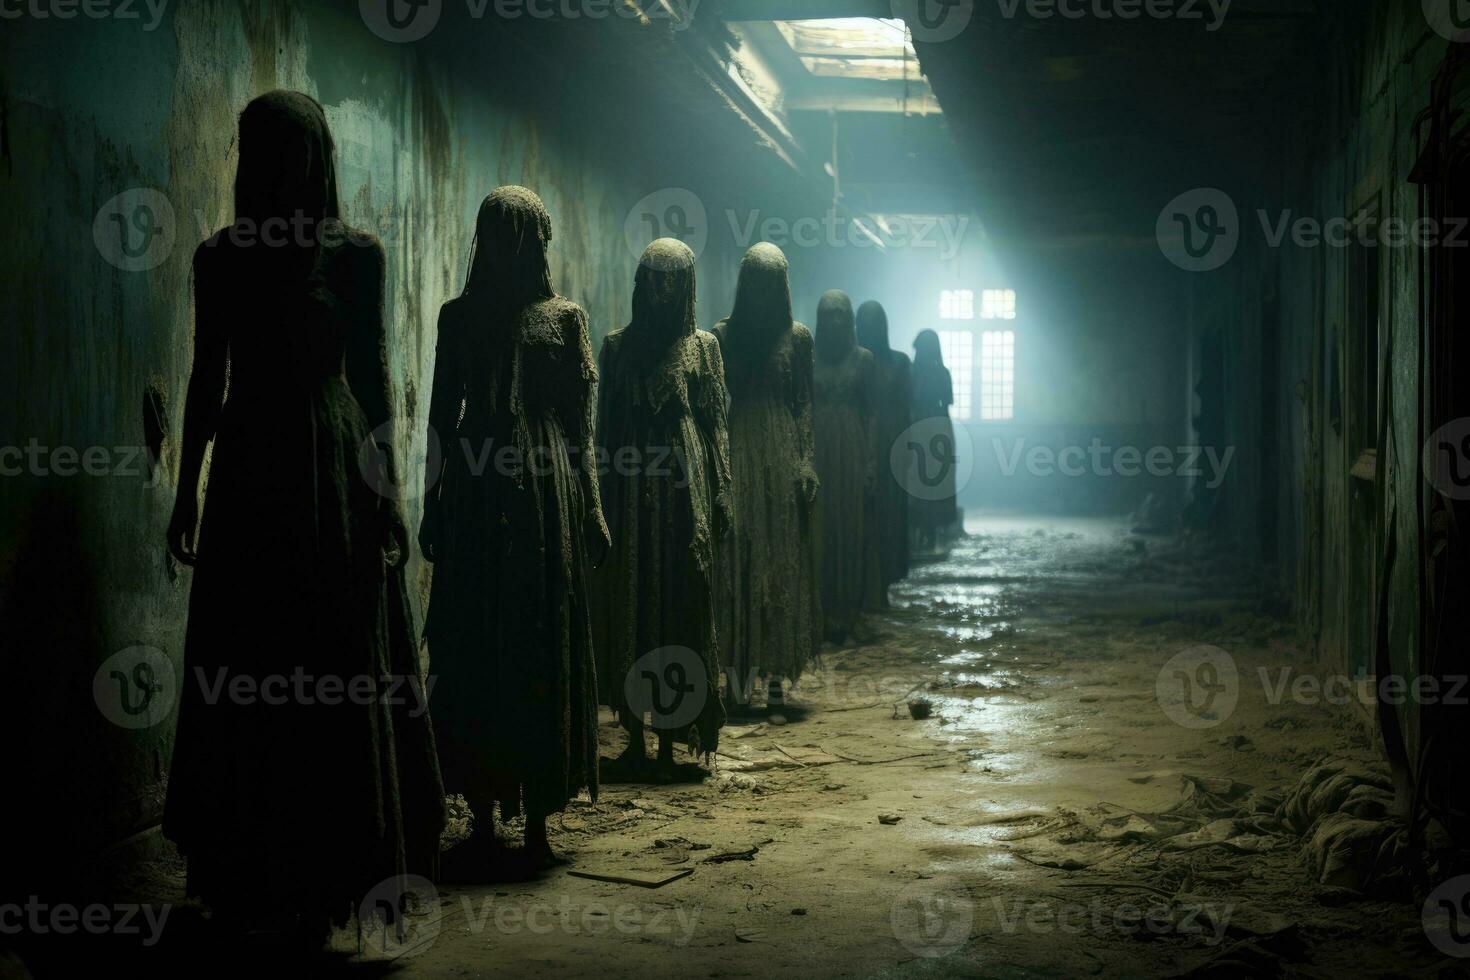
<point>853,47</point>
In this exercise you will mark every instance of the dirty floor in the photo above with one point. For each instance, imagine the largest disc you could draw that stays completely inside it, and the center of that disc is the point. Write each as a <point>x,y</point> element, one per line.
<point>1058,813</point>
<point>1092,794</point>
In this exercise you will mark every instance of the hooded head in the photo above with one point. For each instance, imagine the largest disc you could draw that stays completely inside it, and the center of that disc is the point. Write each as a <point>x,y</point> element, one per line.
<point>762,313</point>
<point>835,335</point>
<point>872,327</point>
<point>927,352</point>
<point>663,295</point>
<point>508,264</point>
<point>286,168</point>
<point>762,294</point>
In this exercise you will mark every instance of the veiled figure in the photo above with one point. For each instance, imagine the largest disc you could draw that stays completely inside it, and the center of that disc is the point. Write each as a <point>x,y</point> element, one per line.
<point>290,803</point>
<point>769,605</point>
<point>512,522</point>
<point>933,393</point>
<point>844,422</point>
<point>664,454</point>
<point>888,532</point>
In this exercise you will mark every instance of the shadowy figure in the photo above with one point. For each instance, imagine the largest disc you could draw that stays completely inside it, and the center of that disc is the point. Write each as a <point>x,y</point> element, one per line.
<point>769,604</point>
<point>665,456</point>
<point>933,393</point>
<point>888,532</point>
<point>844,423</point>
<point>298,783</point>
<point>513,524</point>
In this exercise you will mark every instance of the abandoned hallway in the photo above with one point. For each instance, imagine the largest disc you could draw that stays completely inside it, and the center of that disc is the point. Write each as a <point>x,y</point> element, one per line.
<point>1132,328</point>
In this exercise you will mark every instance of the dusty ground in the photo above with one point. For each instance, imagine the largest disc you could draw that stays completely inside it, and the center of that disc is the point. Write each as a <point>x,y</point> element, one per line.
<point>1063,812</point>
<point>1002,836</point>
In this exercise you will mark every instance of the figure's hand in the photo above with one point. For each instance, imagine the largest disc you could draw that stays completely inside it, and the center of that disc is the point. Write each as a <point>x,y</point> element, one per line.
<point>807,486</point>
<point>183,528</point>
<point>395,539</point>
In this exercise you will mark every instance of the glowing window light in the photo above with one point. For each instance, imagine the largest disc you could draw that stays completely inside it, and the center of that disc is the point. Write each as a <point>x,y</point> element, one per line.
<point>853,47</point>
<point>957,304</point>
<point>958,350</point>
<point>998,304</point>
<point>998,375</point>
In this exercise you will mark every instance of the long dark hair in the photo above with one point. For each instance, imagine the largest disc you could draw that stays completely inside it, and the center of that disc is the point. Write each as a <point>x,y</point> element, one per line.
<point>286,161</point>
